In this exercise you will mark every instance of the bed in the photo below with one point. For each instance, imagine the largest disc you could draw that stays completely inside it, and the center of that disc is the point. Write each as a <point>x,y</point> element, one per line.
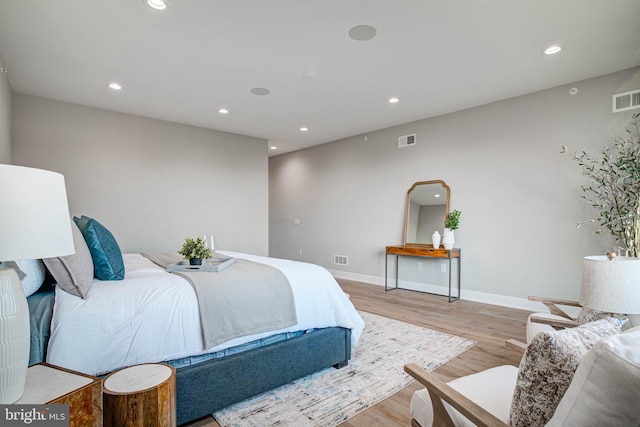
<point>153,316</point>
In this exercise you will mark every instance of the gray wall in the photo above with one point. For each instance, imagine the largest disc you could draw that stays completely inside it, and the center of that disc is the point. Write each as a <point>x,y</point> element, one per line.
<point>5,118</point>
<point>151,182</point>
<point>430,219</point>
<point>518,195</point>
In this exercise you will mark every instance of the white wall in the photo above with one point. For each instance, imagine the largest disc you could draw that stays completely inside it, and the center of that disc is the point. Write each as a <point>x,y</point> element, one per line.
<point>518,195</point>
<point>151,182</point>
<point>5,118</point>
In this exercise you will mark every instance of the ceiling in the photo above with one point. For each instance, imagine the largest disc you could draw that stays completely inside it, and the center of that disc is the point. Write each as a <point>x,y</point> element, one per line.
<point>195,57</point>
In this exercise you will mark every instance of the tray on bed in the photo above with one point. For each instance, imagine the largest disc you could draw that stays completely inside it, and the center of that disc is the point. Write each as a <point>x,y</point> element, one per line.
<point>213,265</point>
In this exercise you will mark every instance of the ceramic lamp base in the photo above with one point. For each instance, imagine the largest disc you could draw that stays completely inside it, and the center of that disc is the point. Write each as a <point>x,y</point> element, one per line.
<point>15,336</point>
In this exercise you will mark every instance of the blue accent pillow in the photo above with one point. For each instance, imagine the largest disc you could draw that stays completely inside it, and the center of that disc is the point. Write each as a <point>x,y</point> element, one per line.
<point>105,252</point>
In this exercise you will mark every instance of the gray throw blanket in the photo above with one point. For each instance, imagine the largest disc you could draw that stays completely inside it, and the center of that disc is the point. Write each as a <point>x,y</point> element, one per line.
<point>243,299</point>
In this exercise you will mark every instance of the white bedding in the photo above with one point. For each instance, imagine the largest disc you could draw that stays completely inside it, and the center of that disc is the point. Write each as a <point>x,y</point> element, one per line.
<point>152,316</point>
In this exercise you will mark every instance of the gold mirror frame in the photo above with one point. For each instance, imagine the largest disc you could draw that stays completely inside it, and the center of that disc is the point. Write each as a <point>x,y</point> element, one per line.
<point>433,185</point>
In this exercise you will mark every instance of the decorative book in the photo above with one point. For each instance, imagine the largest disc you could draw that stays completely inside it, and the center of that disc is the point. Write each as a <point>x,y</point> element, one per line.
<point>209,265</point>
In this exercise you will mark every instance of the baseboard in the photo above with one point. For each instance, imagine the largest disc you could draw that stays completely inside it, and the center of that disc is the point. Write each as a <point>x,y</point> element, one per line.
<point>483,297</point>
<point>372,280</point>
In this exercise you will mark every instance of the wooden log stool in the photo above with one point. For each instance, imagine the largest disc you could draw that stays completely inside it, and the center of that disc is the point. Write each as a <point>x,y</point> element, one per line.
<point>140,396</point>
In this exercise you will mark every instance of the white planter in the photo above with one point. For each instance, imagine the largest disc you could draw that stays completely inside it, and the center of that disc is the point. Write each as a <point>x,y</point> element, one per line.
<point>435,239</point>
<point>448,239</point>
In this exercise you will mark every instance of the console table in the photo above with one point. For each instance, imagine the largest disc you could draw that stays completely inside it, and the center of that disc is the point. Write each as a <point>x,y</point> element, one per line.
<point>424,251</point>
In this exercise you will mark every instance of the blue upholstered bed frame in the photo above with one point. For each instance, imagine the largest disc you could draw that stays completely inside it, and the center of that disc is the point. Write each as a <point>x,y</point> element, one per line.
<point>208,386</point>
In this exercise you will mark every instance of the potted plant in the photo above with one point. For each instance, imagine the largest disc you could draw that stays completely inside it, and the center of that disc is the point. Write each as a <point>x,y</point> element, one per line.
<point>451,222</point>
<point>195,250</point>
<point>615,187</point>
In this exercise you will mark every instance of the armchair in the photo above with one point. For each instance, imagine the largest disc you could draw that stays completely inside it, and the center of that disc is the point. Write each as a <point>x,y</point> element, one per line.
<point>604,390</point>
<point>557,318</point>
<point>609,287</point>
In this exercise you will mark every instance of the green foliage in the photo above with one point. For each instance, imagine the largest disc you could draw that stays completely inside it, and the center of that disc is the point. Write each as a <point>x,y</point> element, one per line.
<point>615,186</point>
<point>195,248</point>
<point>452,220</point>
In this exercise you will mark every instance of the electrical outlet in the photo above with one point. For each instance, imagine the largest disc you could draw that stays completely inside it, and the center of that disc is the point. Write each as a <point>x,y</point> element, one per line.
<point>300,252</point>
<point>419,265</point>
<point>296,221</point>
<point>443,268</point>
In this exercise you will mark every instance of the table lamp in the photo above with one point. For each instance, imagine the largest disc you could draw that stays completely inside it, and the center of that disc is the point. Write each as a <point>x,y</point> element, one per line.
<point>34,224</point>
<point>611,284</point>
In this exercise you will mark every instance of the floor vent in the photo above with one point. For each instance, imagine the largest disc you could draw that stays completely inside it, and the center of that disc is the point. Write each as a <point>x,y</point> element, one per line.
<point>626,101</point>
<point>341,260</point>
<point>407,141</point>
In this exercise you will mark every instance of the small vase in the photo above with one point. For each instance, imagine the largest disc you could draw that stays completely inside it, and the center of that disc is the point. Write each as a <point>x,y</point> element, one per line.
<point>448,239</point>
<point>195,261</point>
<point>435,239</point>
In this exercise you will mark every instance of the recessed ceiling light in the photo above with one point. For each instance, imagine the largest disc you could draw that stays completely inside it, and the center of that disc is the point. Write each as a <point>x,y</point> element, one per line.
<point>273,147</point>
<point>157,4</point>
<point>362,32</point>
<point>304,129</point>
<point>308,76</point>
<point>551,50</point>
<point>223,111</point>
<point>436,195</point>
<point>260,91</point>
<point>393,100</point>
<point>114,86</point>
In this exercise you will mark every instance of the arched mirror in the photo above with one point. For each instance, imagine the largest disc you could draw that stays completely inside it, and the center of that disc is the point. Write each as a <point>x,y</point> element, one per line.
<point>426,209</point>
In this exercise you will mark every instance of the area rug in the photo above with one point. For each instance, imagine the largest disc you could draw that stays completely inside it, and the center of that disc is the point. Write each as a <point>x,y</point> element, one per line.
<point>332,396</point>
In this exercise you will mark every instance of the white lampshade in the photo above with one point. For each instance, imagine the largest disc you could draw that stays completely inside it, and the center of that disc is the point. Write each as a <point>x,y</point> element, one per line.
<point>34,223</point>
<point>34,217</point>
<point>611,285</point>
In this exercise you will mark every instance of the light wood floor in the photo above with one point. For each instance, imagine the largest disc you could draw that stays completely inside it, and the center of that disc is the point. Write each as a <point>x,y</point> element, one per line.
<point>488,324</point>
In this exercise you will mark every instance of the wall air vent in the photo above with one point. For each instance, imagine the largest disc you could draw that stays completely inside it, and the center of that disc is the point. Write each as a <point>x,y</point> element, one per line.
<point>626,101</point>
<point>341,260</point>
<point>407,141</point>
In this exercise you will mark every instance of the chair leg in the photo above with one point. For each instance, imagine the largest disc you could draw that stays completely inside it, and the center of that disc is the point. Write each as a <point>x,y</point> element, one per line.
<point>441,417</point>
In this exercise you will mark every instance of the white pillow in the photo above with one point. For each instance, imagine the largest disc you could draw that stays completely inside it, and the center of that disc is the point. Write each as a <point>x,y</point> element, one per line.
<point>32,275</point>
<point>605,389</point>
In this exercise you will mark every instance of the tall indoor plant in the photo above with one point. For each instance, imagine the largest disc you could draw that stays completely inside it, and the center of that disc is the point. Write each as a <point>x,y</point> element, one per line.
<point>615,186</point>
